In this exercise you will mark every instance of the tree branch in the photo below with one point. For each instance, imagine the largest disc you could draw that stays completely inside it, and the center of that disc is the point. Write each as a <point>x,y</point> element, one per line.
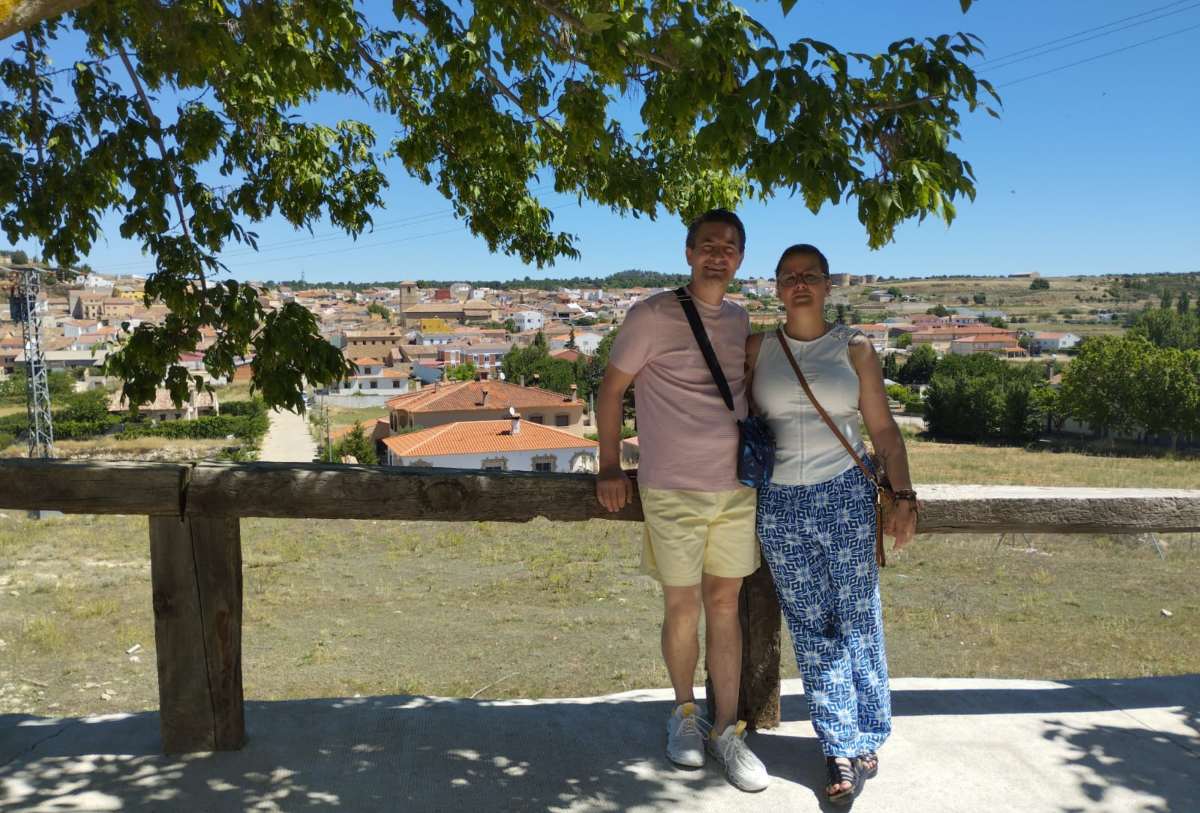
<point>34,104</point>
<point>156,133</point>
<point>27,13</point>
<point>574,22</point>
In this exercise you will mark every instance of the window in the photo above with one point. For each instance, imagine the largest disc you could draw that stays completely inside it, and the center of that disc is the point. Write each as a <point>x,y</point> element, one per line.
<point>536,419</point>
<point>374,385</point>
<point>562,420</point>
<point>395,385</point>
<point>494,464</point>
<point>543,467</point>
<point>546,462</point>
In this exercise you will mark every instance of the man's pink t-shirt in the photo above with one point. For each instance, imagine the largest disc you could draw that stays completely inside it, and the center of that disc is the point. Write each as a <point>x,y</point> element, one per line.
<point>687,437</point>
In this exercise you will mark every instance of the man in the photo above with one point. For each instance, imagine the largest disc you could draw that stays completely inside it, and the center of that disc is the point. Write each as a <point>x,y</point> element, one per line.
<point>699,521</point>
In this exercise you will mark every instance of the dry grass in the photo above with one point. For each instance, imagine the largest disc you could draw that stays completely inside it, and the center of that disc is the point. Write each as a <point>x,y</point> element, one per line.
<point>966,463</point>
<point>553,609</point>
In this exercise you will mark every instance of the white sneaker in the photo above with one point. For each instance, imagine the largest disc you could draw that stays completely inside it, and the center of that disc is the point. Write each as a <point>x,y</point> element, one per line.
<point>685,741</point>
<point>743,770</point>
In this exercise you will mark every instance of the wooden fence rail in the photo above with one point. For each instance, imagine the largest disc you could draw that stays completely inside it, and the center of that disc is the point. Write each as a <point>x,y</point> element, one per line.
<point>196,559</point>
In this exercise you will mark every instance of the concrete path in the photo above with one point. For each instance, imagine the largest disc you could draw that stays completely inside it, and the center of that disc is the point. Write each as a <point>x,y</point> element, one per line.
<point>288,440</point>
<point>958,745</point>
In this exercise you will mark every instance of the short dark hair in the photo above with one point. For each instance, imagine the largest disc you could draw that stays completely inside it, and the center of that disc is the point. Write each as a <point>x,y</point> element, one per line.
<point>718,216</point>
<point>803,248</point>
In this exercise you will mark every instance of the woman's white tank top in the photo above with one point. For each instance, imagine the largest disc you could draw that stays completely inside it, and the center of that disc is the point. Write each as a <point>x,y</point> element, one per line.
<point>806,451</point>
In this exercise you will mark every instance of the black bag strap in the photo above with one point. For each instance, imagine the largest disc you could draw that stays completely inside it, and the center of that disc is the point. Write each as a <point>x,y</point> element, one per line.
<point>710,357</point>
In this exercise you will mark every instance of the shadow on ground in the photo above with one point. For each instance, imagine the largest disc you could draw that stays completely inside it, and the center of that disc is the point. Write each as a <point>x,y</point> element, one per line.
<point>1070,746</point>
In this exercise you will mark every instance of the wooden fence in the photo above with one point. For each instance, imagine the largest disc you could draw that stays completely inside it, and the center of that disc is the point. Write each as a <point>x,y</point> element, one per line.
<point>196,557</point>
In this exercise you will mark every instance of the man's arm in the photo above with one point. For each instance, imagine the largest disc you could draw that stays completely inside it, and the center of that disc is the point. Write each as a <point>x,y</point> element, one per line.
<point>613,489</point>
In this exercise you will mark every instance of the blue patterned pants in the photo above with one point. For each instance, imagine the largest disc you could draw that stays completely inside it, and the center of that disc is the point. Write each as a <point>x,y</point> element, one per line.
<point>819,541</point>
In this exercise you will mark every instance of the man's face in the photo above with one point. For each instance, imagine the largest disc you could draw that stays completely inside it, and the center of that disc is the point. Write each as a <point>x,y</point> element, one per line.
<point>716,255</point>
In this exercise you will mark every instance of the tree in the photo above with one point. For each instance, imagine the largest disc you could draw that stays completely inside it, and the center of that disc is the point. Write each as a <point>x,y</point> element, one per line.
<point>380,311</point>
<point>919,368</point>
<point>980,298</point>
<point>980,397</point>
<point>1040,284</point>
<point>1168,393</point>
<point>461,372</point>
<point>1100,386</point>
<point>20,258</point>
<point>570,345</point>
<point>904,340</point>
<point>356,444</point>
<point>1165,298</point>
<point>938,310</point>
<point>510,326</point>
<point>486,98</point>
<point>891,367</point>
<point>1184,304</point>
<point>1168,328</point>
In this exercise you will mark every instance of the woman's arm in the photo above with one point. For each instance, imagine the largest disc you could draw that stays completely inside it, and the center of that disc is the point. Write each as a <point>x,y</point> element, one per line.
<point>885,435</point>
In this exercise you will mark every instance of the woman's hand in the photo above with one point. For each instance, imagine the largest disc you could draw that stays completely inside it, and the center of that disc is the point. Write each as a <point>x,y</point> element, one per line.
<point>902,524</point>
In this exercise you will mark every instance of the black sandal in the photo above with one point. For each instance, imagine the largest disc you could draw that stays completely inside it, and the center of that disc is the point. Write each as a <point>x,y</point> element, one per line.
<point>868,764</point>
<point>838,773</point>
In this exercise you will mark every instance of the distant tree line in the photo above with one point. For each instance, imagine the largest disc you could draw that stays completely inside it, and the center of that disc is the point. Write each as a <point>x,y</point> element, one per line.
<point>631,278</point>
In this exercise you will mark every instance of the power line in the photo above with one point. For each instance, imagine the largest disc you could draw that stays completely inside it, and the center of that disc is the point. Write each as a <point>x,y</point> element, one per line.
<point>1099,56</point>
<point>1040,53</point>
<point>1081,33</point>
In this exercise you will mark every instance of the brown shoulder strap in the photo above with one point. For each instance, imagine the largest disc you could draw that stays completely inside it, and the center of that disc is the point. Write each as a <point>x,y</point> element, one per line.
<point>787,351</point>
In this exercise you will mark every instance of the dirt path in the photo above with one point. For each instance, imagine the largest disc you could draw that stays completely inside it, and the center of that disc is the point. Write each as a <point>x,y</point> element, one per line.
<point>288,440</point>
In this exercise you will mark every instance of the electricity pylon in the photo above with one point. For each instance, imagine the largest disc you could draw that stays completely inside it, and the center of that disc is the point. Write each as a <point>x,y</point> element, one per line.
<point>23,307</point>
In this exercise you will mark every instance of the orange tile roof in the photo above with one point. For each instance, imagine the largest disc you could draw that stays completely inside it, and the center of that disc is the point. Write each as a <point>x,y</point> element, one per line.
<point>469,395</point>
<point>474,437</point>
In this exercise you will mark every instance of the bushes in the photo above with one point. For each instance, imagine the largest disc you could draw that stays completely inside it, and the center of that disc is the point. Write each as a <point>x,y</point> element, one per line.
<point>980,397</point>
<point>246,420</point>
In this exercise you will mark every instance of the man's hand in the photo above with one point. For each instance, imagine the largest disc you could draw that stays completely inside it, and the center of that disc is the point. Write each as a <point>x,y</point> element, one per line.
<point>613,489</point>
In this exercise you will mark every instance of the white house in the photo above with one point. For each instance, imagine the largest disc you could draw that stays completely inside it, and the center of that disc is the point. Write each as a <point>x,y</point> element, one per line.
<point>1052,342</point>
<point>72,328</point>
<point>505,445</point>
<point>529,320</point>
<point>588,342</point>
<point>374,376</point>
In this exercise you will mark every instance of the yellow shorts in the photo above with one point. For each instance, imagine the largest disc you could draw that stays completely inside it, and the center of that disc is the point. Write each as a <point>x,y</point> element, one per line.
<point>690,533</point>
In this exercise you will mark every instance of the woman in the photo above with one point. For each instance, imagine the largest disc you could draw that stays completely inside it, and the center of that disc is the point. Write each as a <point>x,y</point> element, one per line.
<point>816,520</point>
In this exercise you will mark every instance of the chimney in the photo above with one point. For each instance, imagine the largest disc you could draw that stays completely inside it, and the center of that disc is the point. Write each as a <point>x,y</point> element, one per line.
<point>483,394</point>
<point>574,394</point>
<point>516,421</point>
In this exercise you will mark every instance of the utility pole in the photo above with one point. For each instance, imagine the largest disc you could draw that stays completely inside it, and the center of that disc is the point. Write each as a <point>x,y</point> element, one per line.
<point>23,308</point>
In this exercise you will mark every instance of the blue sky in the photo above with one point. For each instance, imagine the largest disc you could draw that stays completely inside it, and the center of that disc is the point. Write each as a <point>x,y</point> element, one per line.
<point>1091,169</point>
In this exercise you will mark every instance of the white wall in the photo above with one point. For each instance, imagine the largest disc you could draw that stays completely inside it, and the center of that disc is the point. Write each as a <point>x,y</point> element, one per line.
<point>517,461</point>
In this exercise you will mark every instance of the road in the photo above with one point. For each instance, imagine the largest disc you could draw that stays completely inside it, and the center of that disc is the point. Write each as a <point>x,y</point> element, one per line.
<point>288,440</point>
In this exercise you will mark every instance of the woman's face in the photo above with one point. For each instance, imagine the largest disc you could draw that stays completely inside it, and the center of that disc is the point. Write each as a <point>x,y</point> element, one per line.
<point>800,283</point>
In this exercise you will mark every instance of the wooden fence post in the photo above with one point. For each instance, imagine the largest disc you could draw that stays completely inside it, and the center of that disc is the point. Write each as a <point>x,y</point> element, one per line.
<point>196,575</point>
<point>758,703</point>
<point>758,609</point>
